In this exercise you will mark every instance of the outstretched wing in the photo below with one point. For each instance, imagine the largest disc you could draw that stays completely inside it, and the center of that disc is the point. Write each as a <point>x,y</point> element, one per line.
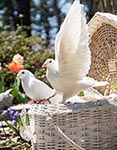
<point>71,45</point>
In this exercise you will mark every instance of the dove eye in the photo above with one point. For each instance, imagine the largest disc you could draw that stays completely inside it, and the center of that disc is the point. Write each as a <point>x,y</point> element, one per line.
<point>50,61</point>
<point>22,72</point>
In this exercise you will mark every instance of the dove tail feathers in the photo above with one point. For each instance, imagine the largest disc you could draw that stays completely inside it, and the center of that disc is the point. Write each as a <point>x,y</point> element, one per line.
<point>100,83</point>
<point>95,83</point>
<point>91,82</point>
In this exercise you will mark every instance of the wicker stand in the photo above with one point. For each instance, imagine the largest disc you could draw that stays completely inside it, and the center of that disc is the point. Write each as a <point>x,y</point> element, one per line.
<point>92,126</point>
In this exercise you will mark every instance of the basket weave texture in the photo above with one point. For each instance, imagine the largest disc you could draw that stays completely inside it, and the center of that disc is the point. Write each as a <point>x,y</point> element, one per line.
<point>91,125</point>
<point>103,46</point>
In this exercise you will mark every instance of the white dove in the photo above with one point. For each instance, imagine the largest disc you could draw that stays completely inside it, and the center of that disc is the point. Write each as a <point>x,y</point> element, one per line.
<point>34,88</point>
<point>67,73</point>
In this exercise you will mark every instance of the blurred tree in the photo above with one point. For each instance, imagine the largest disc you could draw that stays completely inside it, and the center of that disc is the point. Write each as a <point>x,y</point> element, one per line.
<point>22,15</point>
<point>110,6</point>
<point>47,16</point>
<point>92,6</point>
<point>14,13</point>
<point>6,13</point>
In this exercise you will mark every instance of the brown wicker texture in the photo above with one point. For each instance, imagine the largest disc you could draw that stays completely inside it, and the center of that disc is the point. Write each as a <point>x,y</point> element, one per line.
<point>91,125</point>
<point>103,46</point>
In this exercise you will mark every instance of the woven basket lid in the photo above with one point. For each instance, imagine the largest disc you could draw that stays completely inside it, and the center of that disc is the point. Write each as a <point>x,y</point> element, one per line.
<point>103,46</point>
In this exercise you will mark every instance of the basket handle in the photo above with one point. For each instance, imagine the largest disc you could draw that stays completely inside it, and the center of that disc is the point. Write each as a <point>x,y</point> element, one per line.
<point>60,132</point>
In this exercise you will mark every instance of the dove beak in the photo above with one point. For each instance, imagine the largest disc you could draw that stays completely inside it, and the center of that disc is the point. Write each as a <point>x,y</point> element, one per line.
<point>18,76</point>
<point>44,65</point>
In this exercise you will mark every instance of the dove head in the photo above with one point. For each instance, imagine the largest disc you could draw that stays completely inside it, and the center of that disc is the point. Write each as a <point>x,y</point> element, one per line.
<point>23,74</point>
<point>48,63</point>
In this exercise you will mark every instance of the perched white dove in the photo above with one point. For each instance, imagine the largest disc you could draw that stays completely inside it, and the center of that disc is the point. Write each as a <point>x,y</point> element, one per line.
<point>67,73</point>
<point>34,88</point>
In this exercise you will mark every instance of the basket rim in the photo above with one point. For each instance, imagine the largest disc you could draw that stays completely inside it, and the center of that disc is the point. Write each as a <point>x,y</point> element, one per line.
<point>54,109</point>
<point>98,19</point>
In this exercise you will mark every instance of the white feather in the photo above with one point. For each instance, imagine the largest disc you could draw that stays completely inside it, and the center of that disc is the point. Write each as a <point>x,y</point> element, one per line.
<point>88,82</point>
<point>72,53</point>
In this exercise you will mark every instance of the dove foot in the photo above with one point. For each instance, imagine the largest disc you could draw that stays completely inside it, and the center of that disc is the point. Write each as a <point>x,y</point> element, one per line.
<point>32,102</point>
<point>44,101</point>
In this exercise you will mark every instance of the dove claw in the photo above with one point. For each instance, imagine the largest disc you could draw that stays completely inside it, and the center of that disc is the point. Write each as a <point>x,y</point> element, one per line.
<point>44,101</point>
<point>32,102</point>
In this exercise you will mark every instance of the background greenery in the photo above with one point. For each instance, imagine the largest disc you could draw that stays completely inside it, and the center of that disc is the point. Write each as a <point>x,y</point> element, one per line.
<point>31,48</point>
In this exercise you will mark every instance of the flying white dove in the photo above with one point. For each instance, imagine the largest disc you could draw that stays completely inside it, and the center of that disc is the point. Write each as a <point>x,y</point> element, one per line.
<point>34,88</point>
<point>67,73</point>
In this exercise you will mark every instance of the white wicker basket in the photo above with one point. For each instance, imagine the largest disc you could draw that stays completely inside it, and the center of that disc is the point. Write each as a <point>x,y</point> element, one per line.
<point>92,126</point>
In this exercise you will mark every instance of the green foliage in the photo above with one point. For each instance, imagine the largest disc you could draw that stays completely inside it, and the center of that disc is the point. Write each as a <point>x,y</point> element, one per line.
<point>81,93</point>
<point>31,48</point>
<point>17,128</point>
<point>19,97</point>
<point>2,84</point>
<point>114,86</point>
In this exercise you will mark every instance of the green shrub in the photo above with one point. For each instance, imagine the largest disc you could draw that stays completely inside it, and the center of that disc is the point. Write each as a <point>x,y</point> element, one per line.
<point>31,48</point>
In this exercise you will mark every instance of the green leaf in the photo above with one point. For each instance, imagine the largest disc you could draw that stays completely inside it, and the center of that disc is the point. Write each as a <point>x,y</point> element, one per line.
<point>19,122</point>
<point>2,84</point>
<point>27,120</point>
<point>81,93</point>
